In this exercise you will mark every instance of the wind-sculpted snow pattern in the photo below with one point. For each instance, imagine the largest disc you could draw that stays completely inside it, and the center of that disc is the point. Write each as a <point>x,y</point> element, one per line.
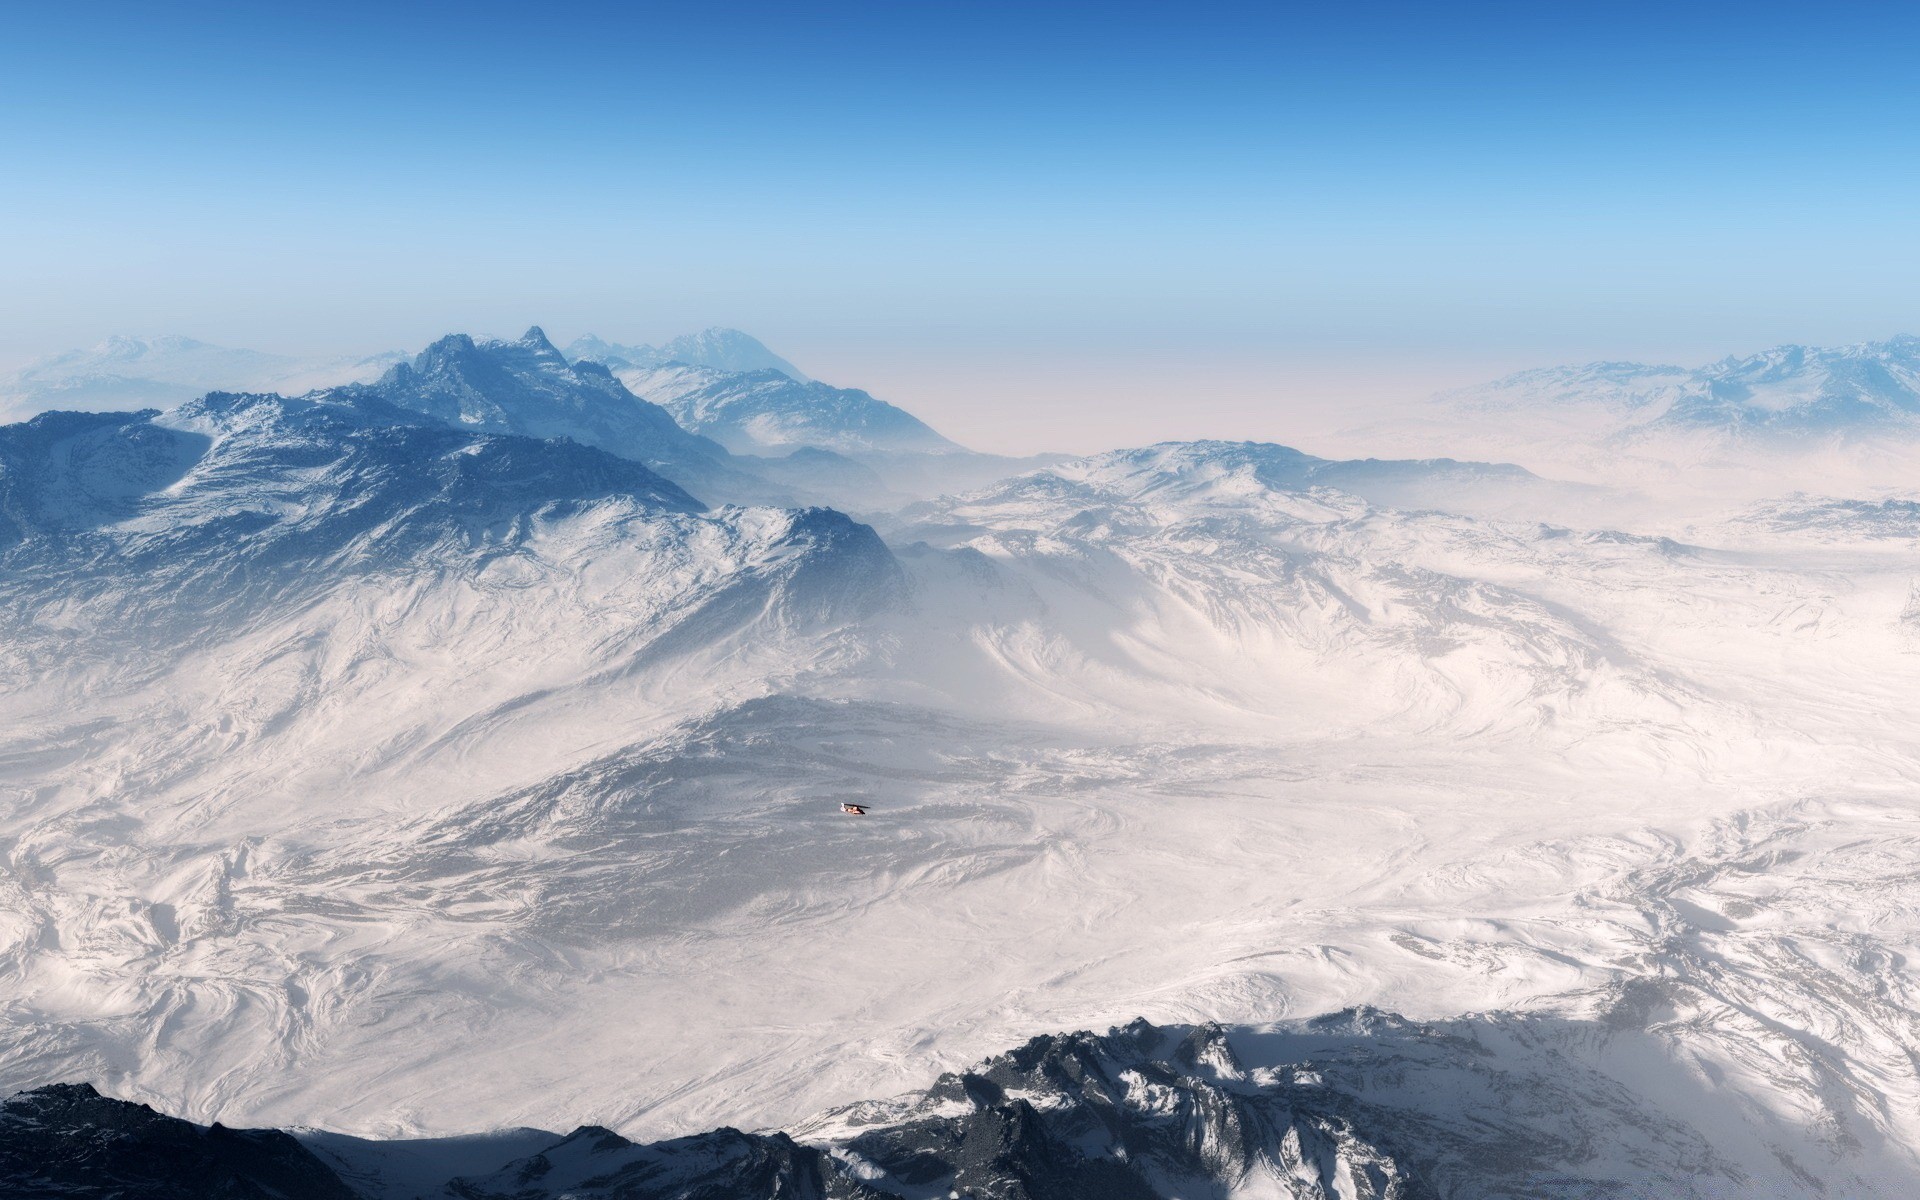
<point>447,756</point>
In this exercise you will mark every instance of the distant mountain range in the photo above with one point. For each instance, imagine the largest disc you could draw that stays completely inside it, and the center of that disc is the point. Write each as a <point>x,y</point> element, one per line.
<point>1788,391</point>
<point>123,374</point>
<point>741,424</point>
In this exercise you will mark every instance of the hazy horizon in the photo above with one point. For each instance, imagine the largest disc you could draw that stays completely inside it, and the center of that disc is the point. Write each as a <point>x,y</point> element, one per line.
<point>1438,773</point>
<point>1056,219</point>
<point>1074,399</point>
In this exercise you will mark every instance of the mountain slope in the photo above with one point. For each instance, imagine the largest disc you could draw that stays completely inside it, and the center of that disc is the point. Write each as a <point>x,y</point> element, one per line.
<point>235,511</point>
<point>67,1141</point>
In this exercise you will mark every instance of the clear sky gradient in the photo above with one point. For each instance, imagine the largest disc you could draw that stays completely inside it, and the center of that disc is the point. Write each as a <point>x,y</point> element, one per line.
<point>1172,220</point>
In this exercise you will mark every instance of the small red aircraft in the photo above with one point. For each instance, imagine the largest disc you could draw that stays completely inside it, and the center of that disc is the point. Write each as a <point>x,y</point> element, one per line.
<point>848,806</point>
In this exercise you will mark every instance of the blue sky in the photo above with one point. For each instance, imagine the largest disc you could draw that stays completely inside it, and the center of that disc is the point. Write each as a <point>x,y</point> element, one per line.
<point>987,212</point>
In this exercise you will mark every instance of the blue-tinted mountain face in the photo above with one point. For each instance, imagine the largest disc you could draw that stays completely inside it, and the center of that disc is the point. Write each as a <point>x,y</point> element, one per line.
<point>234,505</point>
<point>526,387</point>
<point>325,470</point>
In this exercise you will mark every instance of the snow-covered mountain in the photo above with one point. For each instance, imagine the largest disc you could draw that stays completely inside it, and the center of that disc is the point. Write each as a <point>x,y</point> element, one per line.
<point>124,374</point>
<point>237,509</point>
<point>328,717</point>
<point>755,412</point>
<point>528,387</point>
<point>720,349</point>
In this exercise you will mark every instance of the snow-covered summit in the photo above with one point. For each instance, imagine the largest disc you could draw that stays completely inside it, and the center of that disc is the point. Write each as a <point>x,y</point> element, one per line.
<point>527,387</point>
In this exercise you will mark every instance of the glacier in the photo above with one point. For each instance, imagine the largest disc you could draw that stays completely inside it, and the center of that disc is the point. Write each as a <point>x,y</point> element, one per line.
<point>458,753</point>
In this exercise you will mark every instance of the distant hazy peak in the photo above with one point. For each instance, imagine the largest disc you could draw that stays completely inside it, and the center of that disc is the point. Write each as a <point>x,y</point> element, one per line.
<point>729,350</point>
<point>123,373</point>
<point>765,410</point>
<point>719,348</point>
<point>1789,397</point>
<point>120,347</point>
<point>1786,355</point>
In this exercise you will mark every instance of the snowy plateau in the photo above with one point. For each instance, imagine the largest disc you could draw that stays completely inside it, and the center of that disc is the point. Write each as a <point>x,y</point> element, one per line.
<point>431,785</point>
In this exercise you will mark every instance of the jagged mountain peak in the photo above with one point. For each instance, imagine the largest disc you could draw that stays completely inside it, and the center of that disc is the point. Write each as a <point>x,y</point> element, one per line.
<point>122,348</point>
<point>452,343</point>
<point>527,387</point>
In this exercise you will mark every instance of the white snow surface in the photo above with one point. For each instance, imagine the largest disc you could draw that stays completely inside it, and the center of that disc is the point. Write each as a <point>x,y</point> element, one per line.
<point>529,830</point>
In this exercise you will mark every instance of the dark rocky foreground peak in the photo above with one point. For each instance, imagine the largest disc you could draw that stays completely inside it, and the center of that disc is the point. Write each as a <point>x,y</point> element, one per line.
<point>69,1141</point>
<point>1358,1105</point>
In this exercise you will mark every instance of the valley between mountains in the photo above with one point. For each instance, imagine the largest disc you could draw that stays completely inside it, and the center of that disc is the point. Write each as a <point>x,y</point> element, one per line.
<point>457,748</point>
